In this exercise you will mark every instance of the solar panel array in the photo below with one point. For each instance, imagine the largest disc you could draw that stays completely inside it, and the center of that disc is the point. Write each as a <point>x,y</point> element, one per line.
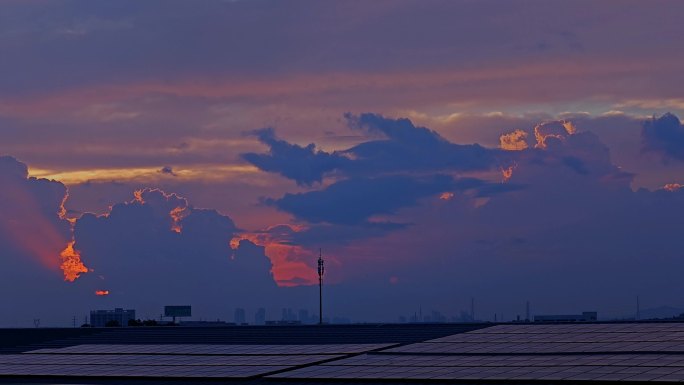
<point>574,352</point>
<point>634,352</point>
<point>21,340</point>
<point>176,361</point>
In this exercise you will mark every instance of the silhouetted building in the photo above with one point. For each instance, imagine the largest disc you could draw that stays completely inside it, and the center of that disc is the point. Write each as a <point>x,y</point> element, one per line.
<point>260,317</point>
<point>289,315</point>
<point>102,318</point>
<point>584,317</point>
<point>436,317</point>
<point>240,316</point>
<point>304,316</point>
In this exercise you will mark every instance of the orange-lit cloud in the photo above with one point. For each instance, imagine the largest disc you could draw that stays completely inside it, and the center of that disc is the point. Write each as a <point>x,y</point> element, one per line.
<point>34,217</point>
<point>672,187</point>
<point>513,141</point>
<point>72,266</point>
<point>177,215</point>
<point>555,129</point>
<point>179,208</point>
<point>507,173</point>
<point>446,196</point>
<point>101,293</point>
<point>286,258</point>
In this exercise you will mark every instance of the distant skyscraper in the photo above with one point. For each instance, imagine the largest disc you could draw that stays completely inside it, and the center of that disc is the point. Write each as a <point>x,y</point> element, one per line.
<point>472,309</point>
<point>239,316</point>
<point>288,315</point>
<point>437,317</point>
<point>260,317</point>
<point>304,316</point>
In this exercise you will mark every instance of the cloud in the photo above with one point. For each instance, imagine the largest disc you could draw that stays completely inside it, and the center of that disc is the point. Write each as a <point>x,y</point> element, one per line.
<point>157,247</point>
<point>168,170</point>
<point>400,147</point>
<point>560,142</point>
<point>405,147</point>
<point>305,165</point>
<point>152,250</point>
<point>33,228</point>
<point>664,136</point>
<point>353,201</point>
<point>403,167</point>
<point>566,211</point>
<point>514,141</point>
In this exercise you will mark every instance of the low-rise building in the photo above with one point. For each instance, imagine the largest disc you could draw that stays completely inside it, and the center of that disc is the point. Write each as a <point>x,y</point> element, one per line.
<point>116,317</point>
<point>584,317</point>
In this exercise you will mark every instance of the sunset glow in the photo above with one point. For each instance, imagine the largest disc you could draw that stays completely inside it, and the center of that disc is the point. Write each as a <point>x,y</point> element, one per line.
<point>513,141</point>
<point>289,268</point>
<point>71,265</point>
<point>199,172</point>
<point>507,173</point>
<point>554,129</point>
<point>446,196</point>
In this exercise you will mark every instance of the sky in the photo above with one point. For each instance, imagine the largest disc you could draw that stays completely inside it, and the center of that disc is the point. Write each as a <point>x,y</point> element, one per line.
<point>205,152</point>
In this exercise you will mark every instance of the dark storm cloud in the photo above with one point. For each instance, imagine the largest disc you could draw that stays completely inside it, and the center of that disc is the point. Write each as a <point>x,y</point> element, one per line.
<point>156,225</point>
<point>406,147</point>
<point>353,201</point>
<point>665,136</point>
<point>158,248</point>
<point>305,165</point>
<point>401,147</point>
<point>405,163</point>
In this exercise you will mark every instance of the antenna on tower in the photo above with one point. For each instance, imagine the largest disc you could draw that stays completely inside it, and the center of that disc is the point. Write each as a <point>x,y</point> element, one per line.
<point>321,271</point>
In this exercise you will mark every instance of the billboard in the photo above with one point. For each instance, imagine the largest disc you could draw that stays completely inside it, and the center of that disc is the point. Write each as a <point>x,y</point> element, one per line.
<point>177,311</point>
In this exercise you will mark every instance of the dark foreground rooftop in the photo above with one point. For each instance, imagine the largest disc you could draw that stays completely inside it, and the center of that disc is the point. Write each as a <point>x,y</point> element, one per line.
<point>353,354</point>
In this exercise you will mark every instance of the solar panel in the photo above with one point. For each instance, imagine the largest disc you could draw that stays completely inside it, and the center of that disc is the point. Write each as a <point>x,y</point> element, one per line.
<point>142,360</point>
<point>136,371</point>
<point>213,349</point>
<point>573,373</point>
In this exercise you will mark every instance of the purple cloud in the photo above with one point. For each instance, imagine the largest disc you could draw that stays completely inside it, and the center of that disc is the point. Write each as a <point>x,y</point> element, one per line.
<point>664,136</point>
